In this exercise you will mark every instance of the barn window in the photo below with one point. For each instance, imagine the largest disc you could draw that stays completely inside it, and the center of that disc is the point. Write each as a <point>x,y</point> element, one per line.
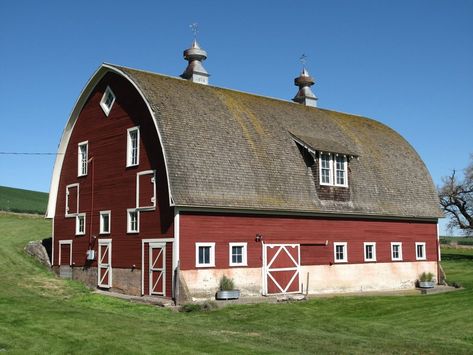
<point>108,99</point>
<point>105,222</point>
<point>133,147</point>
<point>333,169</point>
<point>238,254</point>
<point>326,177</point>
<point>204,254</point>
<point>340,252</point>
<point>370,251</point>
<point>80,224</point>
<point>133,221</point>
<point>396,251</point>
<point>420,251</point>
<point>82,157</point>
<point>340,170</point>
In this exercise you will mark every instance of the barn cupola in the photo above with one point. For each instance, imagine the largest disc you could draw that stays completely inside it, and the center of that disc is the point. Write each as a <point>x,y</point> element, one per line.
<point>304,82</point>
<point>195,55</point>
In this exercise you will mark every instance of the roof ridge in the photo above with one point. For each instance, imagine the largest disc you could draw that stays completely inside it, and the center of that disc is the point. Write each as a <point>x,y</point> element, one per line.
<point>238,91</point>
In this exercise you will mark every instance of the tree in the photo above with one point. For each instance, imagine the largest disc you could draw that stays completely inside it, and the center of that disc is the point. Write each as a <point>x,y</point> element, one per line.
<point>456,199</point>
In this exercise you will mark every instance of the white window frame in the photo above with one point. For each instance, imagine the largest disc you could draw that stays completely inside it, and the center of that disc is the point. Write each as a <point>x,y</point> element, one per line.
<point>399,258</point>
<point>424,251</point>
<point>102,225</point>
<point>106,109</point>
<point>82,169</point>
<point>211,256</point>
<point>78,217</point>
<point>345,170</point>
<point>345,252</point>
<point>244,260</point>
<point>373,244</point>
<point>128,221</point>
<point>129,150</point>
<point>153,199</point>
<point>330,169</point>
<point>66,213</point>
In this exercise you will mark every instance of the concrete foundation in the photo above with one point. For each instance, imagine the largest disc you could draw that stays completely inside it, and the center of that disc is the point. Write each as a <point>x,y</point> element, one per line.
<point>322,279</point>
<point>126,281</point>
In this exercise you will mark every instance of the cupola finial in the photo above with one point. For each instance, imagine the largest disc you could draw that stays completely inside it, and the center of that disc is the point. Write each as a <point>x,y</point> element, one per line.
<point>304,82</point>
<point>195,55</point>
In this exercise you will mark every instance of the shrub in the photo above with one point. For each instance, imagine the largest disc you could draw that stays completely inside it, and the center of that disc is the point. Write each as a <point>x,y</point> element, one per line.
<point>444,241</point>
<point>198,307</point>
<point>190,307</point>
<point>465,242</point>
<point>426,277</point>
<point>226,284</point>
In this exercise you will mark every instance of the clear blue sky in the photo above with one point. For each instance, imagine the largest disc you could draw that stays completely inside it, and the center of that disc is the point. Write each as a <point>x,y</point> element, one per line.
<point>408,64</point>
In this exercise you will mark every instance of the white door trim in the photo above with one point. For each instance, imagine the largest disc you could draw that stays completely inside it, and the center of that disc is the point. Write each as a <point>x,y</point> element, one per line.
<point>151,264</point>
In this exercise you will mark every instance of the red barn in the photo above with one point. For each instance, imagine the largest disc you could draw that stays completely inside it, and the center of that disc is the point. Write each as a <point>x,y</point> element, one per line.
<point>162,185</point>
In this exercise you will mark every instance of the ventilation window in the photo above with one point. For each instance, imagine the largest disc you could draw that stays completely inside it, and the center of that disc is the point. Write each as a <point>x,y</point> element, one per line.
<point>107,101</point>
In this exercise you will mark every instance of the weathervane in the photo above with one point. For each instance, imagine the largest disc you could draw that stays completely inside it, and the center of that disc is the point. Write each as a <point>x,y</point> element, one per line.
<point>195,29</point>
<point>303,60</point>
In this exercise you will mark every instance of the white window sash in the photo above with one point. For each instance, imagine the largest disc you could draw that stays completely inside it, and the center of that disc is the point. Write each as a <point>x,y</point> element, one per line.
<point>82,158</point>
<point>102,225</point>
<point>211,247</point>
<point>133,147</point>
<point>373,250</point>
<point>244,260</point>
<point>344,248</point>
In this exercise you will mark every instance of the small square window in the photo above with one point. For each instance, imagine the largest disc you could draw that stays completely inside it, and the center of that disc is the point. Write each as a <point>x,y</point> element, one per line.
<point>82,158</point>
<point>370,251</point>
<point>340,252</point>
<point>80,224</point>
<point>396,251</point>
<point>105,222</point>
<point>237,254</point>
<point>108,99</point>
<point>133,147</point>
<point>420,251</point>
<point>204,254</point>
<point>133,221</point>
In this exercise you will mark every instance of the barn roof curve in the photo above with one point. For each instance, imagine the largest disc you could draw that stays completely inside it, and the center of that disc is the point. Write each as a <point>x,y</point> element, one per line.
<point>226,149</point>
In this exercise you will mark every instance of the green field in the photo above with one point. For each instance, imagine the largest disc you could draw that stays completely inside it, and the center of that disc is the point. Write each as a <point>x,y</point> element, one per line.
<point>42,314</point>
<point>23,201</point>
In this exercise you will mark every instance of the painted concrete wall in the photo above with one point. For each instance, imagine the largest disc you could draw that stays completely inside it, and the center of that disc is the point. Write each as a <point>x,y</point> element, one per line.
<point>322,278</point>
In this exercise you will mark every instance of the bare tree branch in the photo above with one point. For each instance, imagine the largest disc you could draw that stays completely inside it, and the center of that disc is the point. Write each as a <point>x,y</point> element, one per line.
<point>456,199</point>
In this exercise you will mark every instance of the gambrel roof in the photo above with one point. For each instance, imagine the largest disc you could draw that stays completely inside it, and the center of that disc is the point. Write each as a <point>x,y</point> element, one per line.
<point>233,150</point>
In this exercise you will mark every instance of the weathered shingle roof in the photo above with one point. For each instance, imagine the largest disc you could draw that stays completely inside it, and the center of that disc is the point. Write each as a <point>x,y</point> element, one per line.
<point>227,149</point>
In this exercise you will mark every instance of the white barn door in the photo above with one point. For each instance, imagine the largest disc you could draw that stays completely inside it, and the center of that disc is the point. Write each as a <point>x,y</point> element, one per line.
<point>104,263</point>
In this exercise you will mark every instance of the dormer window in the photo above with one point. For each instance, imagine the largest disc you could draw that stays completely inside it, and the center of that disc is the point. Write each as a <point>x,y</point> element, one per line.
<point>333,169</point>
<point>107,101</point>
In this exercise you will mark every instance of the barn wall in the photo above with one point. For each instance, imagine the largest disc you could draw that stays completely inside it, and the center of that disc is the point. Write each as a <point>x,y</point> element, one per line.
<point>225,228</point>
<point>114,184</point>
<point>316,259</point>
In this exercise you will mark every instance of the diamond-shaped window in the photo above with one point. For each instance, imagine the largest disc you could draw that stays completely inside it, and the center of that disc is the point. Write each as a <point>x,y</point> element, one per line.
<point>107,101</point>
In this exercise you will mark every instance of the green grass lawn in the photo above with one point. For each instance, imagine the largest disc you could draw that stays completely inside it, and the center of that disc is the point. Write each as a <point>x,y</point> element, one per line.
<point>24,201</point>
<point>40,313</point>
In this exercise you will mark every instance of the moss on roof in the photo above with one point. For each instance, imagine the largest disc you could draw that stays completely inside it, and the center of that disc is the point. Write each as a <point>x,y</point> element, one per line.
<point>228,149</point>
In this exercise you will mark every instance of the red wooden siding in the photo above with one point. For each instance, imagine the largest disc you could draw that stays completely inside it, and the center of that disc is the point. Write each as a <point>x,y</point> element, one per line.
<point>114,185</point>
<point>223,229</point>
<point>65,254</point>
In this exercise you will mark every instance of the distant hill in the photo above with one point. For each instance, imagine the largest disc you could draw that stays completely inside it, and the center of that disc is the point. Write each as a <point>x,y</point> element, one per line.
<point>22,201</point>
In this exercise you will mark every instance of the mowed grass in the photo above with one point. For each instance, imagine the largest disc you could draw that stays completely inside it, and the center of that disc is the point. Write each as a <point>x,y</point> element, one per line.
<point>24,201</point>
<point>40,313</point>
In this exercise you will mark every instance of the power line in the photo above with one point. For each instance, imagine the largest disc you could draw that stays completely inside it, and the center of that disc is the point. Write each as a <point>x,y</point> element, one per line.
<point>28,153</point>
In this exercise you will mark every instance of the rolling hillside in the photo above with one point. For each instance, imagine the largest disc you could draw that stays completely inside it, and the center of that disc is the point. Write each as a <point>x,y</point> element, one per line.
<point>22,201</point>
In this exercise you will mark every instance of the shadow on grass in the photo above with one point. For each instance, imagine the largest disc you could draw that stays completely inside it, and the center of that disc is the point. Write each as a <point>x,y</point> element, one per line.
<point>456,257</point>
